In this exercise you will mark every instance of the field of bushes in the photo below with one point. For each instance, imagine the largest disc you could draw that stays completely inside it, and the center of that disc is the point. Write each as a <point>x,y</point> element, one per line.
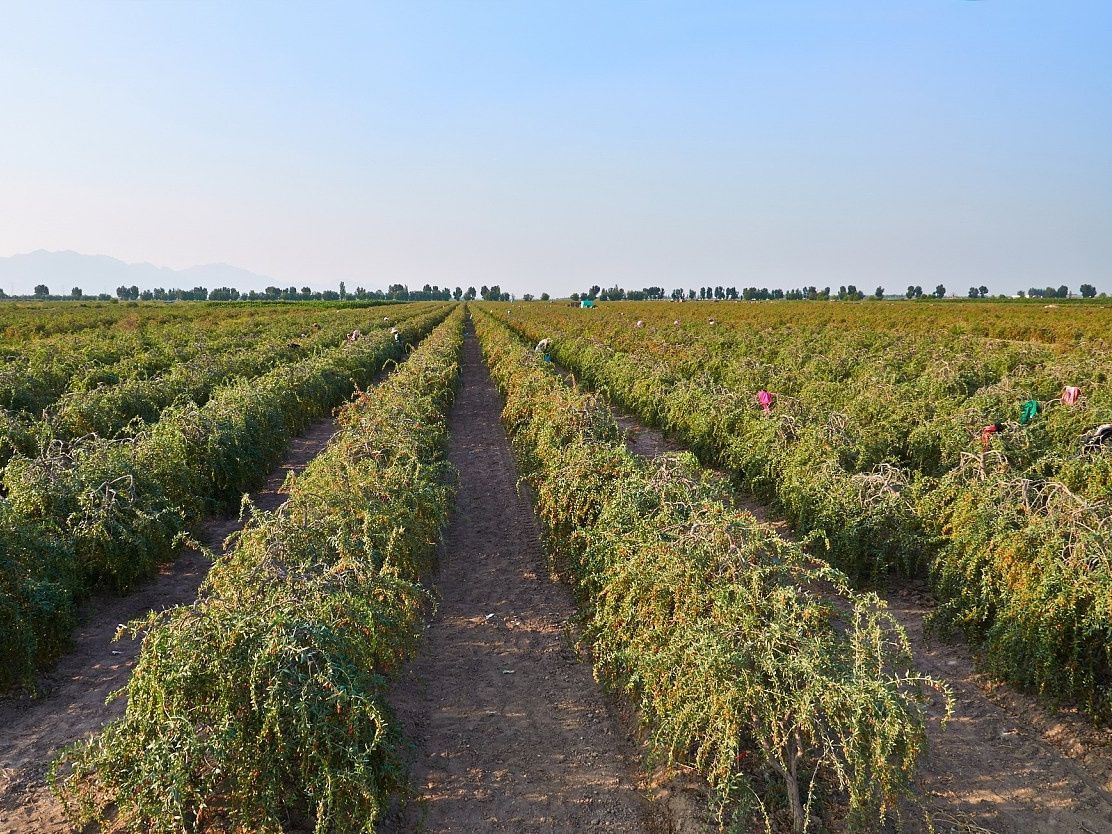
<point>264,701</point>
<point>83,511</point>
<point>748,659</point>
<point>875,448</point>
<point>928,445</point>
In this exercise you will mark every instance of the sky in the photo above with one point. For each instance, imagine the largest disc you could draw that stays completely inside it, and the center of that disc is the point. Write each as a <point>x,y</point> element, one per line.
<point>549,146</point>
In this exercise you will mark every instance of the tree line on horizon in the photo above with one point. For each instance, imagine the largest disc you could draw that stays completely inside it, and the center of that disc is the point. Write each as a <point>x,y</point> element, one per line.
<point>401,292</point>
<point>395,292</point>
<point>844,293</point>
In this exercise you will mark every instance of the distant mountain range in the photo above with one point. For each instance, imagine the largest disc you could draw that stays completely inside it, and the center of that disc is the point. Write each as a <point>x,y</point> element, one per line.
<point>62,271</point>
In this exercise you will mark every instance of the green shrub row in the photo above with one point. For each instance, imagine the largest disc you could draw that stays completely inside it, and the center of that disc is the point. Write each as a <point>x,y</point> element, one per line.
<point>747,659</point>
<point>262,703</point>
<point>109,512</point>
<point>34,373</point>
<point>1016,540</point>
<point>108,409</point>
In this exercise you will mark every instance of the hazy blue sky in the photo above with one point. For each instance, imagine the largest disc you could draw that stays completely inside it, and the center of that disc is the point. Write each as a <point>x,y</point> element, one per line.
<point>556,145</point>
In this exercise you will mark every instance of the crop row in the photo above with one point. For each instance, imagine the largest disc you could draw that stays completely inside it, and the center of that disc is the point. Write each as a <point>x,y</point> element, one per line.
<point>263,701</point>
<point>108,410</point>
<point>874,446</point>
<point>102,514</point>
<point>747,659</point>
<point>35,374</point>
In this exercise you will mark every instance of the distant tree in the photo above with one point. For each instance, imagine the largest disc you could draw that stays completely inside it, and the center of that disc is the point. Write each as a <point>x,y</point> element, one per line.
<point>575,296</point>
<point>469,295</point>
<point>343,291</point>
<point>973,292</point>
<point>1088,291</point>
<point>878,292</point>
<point>330,295</point>
<point>527,297</point>
<point>42,291</point>
<point>1063,291</point>
<point>484,293</point>
<point>76,292</point>
<point>939,291</point>
<point>495,293</point>
<point>983,290</point>
<point>457,293</point>
<point>545,296</point>
<point>1021,294</point>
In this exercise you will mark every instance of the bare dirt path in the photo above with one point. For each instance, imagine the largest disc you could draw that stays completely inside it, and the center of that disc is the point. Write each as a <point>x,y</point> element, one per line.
<point>1004,764</point>
<point>71,704</point>
<point>511,731</point>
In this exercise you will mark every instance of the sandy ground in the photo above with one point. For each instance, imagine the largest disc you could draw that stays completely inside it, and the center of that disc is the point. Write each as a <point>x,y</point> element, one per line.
<point>1004,763</point>
<point>511,732</point>
<point>71,704</point>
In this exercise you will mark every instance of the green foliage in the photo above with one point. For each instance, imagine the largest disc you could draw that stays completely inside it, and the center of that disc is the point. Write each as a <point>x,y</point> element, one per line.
<point>873,450</point>
<point>265,699</point>
<point>118,506</point>
<point>748,659</point>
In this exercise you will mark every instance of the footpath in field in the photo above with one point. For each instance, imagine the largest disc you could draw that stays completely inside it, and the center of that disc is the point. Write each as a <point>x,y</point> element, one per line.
<point>72,702</point>
<point>1003,764</point>
<point>512,733</point>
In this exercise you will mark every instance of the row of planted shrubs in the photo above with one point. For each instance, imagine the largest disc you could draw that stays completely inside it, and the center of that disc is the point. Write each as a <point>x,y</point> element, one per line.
<point>262,703</point>
<point>109,409</point>
<point>747,659</point>
<point>103,513</point>
<point>1017,541</point>
<point>36,372</point>
<point>196,364</point>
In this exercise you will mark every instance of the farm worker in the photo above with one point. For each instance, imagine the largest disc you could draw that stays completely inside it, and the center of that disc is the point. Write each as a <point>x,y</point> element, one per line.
<point>1098,437</point>
<point>639,323</point>
<point>1028,411</point>
<point>354,336</point>
<point>764,399</point>
<point>988,431</point>
<point>397,335</point>
<point>676,322</point>
<point>1070,395</point>
<point>543,345</point>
